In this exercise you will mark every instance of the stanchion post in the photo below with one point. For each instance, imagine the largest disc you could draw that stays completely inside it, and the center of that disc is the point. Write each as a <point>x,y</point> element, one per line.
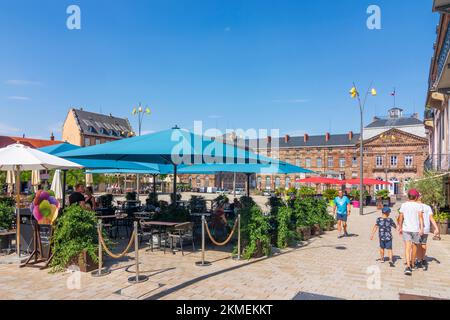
<point>203,263</point>
<point>100,272</point>
<point>239,237</point>
<point>137,278</point>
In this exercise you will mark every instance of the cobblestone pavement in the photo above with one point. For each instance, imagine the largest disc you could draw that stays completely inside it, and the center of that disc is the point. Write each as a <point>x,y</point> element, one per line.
<point>324,268</point>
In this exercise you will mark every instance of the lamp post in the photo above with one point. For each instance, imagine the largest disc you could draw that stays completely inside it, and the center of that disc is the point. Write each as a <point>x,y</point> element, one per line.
<point>140,112</point>
<point>362,103</point>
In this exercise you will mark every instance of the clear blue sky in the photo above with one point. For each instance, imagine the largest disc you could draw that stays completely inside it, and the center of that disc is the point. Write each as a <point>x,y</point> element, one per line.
<point>233,64</point>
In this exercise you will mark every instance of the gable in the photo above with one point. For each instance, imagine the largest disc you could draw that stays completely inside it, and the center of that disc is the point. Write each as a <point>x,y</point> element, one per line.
<point>401,138</point>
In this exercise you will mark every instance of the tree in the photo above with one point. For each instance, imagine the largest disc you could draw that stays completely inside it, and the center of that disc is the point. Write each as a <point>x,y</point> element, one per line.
<point>431,187</point>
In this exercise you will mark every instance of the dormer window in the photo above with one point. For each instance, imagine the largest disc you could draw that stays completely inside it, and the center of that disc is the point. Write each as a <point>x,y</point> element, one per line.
<point>91,129</point>
<point>112,133</point>
<point>104,131</point>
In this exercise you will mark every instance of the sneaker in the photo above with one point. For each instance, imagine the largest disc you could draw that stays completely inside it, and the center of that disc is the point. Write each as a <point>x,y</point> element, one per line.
<point>346,234</point>
<point>391,264</point>
<point>408,271</point>
<point>418,265</point>
<point>425,265</point>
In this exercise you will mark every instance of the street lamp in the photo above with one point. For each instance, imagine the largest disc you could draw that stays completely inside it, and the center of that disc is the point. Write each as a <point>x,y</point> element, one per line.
<point>355,95</point>
<point>140,112</point>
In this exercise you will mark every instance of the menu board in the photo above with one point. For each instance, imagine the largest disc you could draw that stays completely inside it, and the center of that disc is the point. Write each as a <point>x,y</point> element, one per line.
<point>45,234</point>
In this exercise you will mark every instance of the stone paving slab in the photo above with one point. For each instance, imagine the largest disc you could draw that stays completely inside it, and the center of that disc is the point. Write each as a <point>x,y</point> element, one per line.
<point>324,268</point>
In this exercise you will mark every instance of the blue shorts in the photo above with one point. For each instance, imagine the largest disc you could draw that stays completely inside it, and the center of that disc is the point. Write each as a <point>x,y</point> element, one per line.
<point>386,244</point>
<point>342,217</point>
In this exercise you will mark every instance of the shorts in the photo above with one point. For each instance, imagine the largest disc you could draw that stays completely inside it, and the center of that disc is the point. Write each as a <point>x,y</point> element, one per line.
<point>342,217</point>
<point>413,237</point>
<point>424,239</point>
<point>386,244</point>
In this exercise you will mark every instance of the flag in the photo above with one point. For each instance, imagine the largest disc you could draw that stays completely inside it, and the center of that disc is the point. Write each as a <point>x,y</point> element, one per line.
<point>374,92</point>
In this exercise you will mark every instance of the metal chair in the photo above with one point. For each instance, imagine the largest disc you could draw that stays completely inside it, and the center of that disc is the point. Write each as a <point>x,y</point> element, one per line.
<point>181,232</point>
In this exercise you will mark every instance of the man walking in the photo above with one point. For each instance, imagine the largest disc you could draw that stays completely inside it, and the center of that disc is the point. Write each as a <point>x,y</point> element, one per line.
<point>341,211</point>
<point>428,220</point>
<point>411,226</point>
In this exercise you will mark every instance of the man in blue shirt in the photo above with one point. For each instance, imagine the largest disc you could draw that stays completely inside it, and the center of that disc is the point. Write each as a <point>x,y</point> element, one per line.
<point>342,209</point>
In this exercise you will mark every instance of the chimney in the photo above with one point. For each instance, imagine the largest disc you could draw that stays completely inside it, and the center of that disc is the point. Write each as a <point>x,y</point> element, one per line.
<point>350,136</point>
<point>306,138</point>
<point>269,139</point>
<point>52,137</point>
<point>23,136</point>
<point>287,138</point>
<point>327,137</point>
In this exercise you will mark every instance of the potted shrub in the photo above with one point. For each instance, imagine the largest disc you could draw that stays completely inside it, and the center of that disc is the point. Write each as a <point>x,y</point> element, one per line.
<point>443,219</point>
<point>75,241</point>
<point>354,195</point>
<point>106,201</point>
<point>383,199</point>
<point>152,199</point>
<point>197,204</point>
<point>6,222</point>
<point>131,196</point>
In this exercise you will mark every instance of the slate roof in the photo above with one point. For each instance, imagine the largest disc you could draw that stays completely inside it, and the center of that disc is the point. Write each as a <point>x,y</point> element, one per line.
<point>394,122</point>
<point>336,140</point>
<point>102,125</point>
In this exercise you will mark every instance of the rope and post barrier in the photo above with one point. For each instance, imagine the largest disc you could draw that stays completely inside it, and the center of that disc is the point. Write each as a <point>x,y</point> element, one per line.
<point>237,225</point>
<point>100,271</point>
<point>137,278</point>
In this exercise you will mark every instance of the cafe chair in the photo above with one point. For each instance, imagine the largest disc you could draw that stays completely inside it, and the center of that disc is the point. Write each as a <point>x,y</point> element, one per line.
<point>180,233</point>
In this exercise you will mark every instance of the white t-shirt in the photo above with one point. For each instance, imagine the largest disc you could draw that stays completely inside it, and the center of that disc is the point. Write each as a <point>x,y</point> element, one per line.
<point>411,211</point>
<point>427,214</point>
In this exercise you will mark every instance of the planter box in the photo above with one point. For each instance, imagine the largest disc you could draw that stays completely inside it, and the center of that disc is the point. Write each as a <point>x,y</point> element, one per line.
<point>355,204</point>
<point>443,227</point>
<point>316,230</point>
<point>304,233</point>
<point>84,262</point>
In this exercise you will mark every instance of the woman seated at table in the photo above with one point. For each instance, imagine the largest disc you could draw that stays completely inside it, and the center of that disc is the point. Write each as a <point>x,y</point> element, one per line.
<point>90,199</point>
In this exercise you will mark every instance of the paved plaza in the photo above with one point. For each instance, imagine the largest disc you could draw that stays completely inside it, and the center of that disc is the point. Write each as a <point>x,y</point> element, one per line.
<point>324,268</point>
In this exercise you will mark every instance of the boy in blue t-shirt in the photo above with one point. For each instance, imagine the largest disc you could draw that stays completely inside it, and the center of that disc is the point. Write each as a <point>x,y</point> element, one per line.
<point>341,210</point>
<point>384,225</point>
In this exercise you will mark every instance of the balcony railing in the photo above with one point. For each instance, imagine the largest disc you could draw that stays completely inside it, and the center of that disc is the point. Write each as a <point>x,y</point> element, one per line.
<point>441,61</point>
<point>438,162</point>
<point>399,169</point>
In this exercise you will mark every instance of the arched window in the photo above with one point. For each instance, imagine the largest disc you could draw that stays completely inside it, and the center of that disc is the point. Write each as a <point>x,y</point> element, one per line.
<point>297,184</point>
<point>277,182</point>
<point>268,183</point>
<point>288,183</point>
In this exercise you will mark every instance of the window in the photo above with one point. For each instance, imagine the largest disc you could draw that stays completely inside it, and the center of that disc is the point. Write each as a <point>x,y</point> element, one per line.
<point>288,183</point>
<point>87,142</point>
<point>268,183</point>
<point>379,161</point>
<point>287,160</point>
<point>308,162</point>
<point>394,161</point>
<point>319,163</point>
<point>277,182</point>
<point>330,162</point>
<point>355,161</point>
<point>298,163</point>
<point>342,162</point>
<point>97,141</point>
<point>409,161</point>
<point>354,175</point>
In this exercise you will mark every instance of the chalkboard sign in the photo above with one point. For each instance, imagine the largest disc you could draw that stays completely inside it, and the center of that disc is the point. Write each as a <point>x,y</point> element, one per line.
<point>45,234</point>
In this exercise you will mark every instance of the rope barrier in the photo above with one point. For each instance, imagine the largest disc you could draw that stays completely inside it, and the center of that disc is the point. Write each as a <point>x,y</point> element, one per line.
<point>227,240</point>
<point>112,255</point>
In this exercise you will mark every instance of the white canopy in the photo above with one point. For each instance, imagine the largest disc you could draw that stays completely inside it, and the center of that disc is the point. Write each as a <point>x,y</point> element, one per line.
<point>23,158</point>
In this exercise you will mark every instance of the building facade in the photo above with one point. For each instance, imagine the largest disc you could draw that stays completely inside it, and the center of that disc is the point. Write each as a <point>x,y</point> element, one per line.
<point>83,128</point>
<point>395,149</point>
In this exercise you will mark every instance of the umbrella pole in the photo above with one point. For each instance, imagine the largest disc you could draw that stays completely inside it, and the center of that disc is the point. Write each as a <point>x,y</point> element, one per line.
<point>18,210</point>
<point>175,184</point>
<point>154,184</point>
<point>64,189</point>
<point>248,185</point>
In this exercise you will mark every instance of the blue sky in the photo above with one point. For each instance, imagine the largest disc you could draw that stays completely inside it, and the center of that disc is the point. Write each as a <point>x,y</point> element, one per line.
<point>233,64</point>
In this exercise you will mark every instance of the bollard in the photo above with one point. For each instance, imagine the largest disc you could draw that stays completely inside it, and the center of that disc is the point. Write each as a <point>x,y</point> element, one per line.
<point>100,271</point>
<point>203,263</point>
<point>239,237</point>
<point>137,278</point>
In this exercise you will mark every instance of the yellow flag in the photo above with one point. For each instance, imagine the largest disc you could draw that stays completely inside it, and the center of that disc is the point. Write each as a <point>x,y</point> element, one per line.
<point>134,111</point>
<point>353,92</point>
<point>148,111</point>
<point>374,92</point>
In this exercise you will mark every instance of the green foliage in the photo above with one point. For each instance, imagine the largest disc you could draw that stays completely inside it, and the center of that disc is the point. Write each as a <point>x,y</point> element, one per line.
<point>131,196</point>
<point>8,201</point>
<point>285,234</point>
<point>382,194</point>
<point>354,194</point>
<point>174,213</point>
<point>106,200</point>
<point>178,197</point>
<point>75,177</point>
<point>197,204</point>
<point>6,216</point>
<point>76,232</point>
<point>254,230</point>
<point>221,200</point>
<point>152,199</point>
<point>443,217</point>
<point>330,194</point>
<point>432,190</point>
<point>310,211</point>
<point>306,192</point>
<point>247,202</point>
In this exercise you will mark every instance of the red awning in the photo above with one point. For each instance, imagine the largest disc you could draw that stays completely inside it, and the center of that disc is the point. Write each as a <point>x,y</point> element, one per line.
<point>320,180</point>
<point>367,182</point>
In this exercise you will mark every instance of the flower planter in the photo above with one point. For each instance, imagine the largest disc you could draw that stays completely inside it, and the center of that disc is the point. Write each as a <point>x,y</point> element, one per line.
<point>84,262</point>
<point>355,204</point>
<point>304,233</point>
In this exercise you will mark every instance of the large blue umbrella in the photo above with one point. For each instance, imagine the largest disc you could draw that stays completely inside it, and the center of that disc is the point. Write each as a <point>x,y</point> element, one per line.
<point>175,147</point>
<point>59,148</point>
